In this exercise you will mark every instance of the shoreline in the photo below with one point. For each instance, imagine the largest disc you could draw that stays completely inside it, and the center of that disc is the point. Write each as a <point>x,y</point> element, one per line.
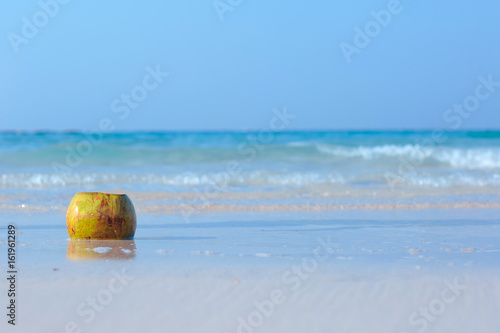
<point>263,272</point>
<point>189,209</point>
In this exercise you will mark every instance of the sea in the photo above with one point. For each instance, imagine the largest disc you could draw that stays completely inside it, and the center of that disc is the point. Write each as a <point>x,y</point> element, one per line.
<point>253,170</point>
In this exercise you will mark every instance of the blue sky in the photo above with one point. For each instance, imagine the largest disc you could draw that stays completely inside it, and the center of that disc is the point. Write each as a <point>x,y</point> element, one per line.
<point>229,69</point>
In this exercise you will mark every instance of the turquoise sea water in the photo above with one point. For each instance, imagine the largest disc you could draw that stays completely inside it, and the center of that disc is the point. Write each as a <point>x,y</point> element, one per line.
<point>165,172</point>
<point>178,161</point>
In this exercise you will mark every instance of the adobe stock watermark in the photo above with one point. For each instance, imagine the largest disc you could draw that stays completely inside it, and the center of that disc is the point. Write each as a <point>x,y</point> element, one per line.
<point>248,150</point>
<point>372,29</point>
<point>292,280</point>
<point>87,310</point>
<point>223,6</point>
<point>453,117</point>
<point>428,314</point>
<point>31,26</point>
<point>121,107</point>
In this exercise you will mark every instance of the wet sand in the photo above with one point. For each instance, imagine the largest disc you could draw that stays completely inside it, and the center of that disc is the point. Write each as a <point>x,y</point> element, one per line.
<point>427,271</point>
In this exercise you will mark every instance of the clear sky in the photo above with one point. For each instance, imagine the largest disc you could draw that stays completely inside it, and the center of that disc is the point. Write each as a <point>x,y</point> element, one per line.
<point>230,62</point>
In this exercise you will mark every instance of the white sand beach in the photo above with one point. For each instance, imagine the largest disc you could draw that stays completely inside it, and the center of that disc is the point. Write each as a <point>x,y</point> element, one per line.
<point>288,272</point>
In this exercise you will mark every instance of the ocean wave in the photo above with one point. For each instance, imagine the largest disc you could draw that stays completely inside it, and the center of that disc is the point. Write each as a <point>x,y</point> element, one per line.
<point>455,158</point>
<point>478,158</point>
<point>256,179</point>
<point>452,180</point>
<point>217,180</point>
<point>373,152</point>
<point>296,151</point>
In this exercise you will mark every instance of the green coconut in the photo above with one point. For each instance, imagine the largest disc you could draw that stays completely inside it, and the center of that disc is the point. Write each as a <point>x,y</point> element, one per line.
<point>93,215</point>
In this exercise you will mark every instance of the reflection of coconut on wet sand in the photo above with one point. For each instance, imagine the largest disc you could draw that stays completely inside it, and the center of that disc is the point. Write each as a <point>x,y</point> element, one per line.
<point>100,249</point>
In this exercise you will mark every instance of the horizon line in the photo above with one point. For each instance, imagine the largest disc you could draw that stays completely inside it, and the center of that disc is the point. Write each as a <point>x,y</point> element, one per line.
<point>77,131</point>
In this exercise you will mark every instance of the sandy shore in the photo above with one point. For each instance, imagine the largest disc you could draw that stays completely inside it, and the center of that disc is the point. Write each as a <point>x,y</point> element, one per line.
<point>265,273</point>
<point>223,299</point>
